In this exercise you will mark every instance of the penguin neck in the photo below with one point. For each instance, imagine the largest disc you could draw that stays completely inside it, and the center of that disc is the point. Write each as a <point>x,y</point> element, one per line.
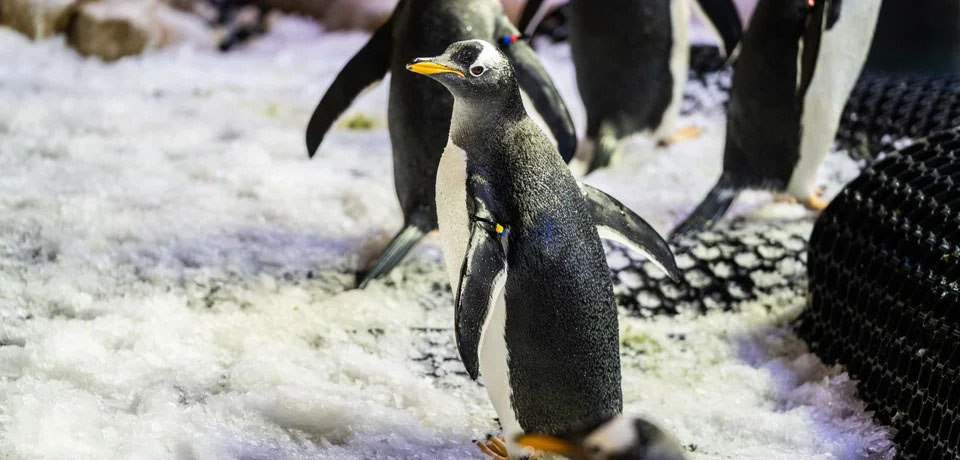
<point>473,117</point>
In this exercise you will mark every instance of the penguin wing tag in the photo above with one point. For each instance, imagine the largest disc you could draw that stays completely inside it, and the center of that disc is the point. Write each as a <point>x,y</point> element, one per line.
<point>481,279</point>
<point>616,222</point>
<point>367,67</point>
<point>535,81</point>
<point>725,19</point>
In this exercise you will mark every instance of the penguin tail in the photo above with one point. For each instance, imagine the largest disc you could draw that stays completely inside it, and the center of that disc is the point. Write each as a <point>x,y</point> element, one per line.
<point>710,210</point>
<point>399,246</point>
<point>608,139</point>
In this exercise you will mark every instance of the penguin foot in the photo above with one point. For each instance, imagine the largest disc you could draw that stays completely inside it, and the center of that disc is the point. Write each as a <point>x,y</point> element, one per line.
<point>495,448</point>
<point>814,202</point>
<point>690,132</point>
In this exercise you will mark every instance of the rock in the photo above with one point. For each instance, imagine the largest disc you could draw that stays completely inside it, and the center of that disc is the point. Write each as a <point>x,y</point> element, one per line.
<point>37,18</point>
<point>111,29</point>
<point>183,27</point>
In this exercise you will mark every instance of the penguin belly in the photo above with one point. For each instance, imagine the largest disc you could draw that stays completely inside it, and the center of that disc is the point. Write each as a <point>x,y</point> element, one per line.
<point>452,215</point>
<point>454,222</point>
<point>679,64</point>
<point>843,51</point>
<point>494,367</point>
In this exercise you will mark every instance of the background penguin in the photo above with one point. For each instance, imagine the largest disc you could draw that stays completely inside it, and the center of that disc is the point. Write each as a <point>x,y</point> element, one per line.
<point>419,110</point>
<point>535,312</point>
<point>795,71</point>
<point>620,438</point>
<point>631,59</point>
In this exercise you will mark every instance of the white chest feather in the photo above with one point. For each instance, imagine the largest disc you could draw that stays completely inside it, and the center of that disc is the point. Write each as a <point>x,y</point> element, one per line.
<point>452,209</point>
<point>843,50</point>
<point>455,235</point>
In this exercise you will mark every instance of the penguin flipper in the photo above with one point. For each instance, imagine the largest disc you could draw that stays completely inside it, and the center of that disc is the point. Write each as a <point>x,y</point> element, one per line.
<point>482,277</point>
<point>530,11</point>
<point>725,19</point>
<point>812,35</point>
<point>535,81</point>
<point>710,210</point>
<point>832,14</point>
<point>399,246</point>
<point>367,67</point>
<point>616,222</point>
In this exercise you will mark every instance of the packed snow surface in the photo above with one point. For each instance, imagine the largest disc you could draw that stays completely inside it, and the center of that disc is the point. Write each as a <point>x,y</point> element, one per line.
<point>176,277</point>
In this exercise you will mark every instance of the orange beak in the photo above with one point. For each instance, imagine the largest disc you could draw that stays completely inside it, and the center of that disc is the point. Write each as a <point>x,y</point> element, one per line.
<point>427,67</point>
<point>550,444</point>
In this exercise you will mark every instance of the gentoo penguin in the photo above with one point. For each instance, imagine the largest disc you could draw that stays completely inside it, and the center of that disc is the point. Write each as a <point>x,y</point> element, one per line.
<point>620,438</point>
<point>419,110</point>
<point>794,74</point>
<point>535,313</point>
<point>631,59</point>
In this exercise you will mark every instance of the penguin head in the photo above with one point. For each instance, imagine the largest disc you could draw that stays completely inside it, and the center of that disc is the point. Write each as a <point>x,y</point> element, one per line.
<point>473,70</point>
<point>620,438</point>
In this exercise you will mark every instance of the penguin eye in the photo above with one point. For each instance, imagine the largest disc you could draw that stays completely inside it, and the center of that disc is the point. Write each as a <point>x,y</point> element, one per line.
<point>477,70</point>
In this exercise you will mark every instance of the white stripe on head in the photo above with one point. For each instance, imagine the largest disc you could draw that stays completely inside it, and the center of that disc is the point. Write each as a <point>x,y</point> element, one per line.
<point>615,436</point>
<point>489,57</point>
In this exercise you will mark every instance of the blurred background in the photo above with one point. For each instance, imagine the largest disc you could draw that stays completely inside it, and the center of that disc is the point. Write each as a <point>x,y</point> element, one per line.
<point>177,278</point>
<point>912,36</point>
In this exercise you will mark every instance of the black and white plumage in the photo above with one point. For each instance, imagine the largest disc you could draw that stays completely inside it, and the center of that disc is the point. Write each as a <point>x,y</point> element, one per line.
<point>425,28</point>
<point>796,68</point>
<point>535,313</point>
<point>620,438</point>
<point>631,58</point>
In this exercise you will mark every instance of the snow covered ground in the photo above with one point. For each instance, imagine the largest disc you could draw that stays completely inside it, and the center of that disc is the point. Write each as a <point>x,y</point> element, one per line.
<point>176,278</point>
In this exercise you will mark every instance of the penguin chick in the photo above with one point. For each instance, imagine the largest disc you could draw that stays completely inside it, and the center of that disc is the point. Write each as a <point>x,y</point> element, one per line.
<point>621,438</point>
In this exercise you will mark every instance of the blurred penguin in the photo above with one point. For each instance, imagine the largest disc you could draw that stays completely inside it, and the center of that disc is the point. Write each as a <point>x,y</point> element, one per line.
<point>420,110</point>
<point>631,60</point>
<point>799,62</point>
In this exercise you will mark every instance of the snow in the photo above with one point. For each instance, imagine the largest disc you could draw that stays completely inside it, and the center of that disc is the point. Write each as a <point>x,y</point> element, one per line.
<point>176,277</point>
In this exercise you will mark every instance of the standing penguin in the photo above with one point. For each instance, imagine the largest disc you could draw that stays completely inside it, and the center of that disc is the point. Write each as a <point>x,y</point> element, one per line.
<point>631,58</point>
<point>794,75</point>
<point>620,438</point>
<point>535,313</point>
<point>419,110</point>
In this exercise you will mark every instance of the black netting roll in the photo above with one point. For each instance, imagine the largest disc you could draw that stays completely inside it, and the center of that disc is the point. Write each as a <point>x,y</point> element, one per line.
<point>885,109</point>
<point>884,267</point>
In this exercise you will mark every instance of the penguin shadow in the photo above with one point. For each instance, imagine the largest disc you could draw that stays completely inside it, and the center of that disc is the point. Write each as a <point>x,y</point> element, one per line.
<point>312,445</point>
<point>245,254</point>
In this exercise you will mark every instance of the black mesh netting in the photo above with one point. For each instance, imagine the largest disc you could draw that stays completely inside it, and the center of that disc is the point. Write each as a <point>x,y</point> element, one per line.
<point>708,81</point>
<point>884,265</point>
<point>884,109</point>
<point>740,260</point>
